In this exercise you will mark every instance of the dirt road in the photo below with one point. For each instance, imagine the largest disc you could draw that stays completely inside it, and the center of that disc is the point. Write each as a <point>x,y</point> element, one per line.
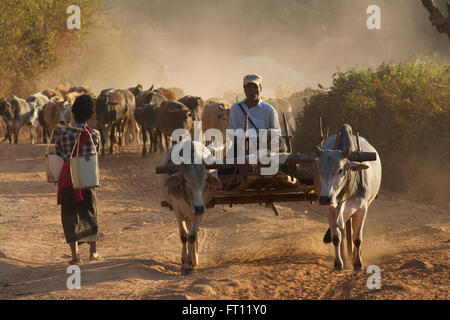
<point>246,252</point>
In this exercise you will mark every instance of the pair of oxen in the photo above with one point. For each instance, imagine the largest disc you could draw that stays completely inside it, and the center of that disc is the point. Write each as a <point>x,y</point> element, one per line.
<point>346,189</point>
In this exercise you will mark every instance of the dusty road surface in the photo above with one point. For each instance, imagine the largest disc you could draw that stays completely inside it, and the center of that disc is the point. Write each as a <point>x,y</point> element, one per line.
<point>246,252</point>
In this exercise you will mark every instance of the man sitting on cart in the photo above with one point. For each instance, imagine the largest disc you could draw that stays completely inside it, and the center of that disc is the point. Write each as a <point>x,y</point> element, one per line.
<point>252,113</point>
<point>260,114</point>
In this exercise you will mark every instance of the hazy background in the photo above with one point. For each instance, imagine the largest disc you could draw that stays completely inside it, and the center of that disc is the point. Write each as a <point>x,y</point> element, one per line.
<point>207,46</point>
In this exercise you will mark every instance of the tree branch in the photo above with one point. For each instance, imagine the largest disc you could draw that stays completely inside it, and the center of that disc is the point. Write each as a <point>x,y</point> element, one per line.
<point>437,17</point>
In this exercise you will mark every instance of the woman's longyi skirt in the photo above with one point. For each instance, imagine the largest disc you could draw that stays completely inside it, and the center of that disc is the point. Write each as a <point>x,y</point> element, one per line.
<point>79,220</point>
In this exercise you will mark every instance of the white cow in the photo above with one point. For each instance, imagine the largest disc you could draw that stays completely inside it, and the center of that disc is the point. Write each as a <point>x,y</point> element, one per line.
<point>187,192</point>
<point>24,114</point>
<point>37,102</point>
<point>344,194</point>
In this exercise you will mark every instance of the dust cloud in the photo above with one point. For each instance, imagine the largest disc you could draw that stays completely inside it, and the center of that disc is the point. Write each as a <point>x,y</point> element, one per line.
<point>206,46</point>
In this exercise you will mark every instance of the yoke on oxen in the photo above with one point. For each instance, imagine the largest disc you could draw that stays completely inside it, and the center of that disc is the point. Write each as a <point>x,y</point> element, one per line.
<point>296,179</point>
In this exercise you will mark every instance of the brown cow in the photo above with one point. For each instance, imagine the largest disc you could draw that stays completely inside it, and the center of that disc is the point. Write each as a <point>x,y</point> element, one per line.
<point>113,110</point>
<point>82,90</point>
<point>7,116</point>
<point>149,96</point>
<point>195,104</point>
<point>53,113</point>
<point>4,130</point>
<point>173,115</point>
<point>136,91</point>
<point>178,92</point>
<point>282,105</point>
<point>215,116</point>
<point>168,93</point>
<point>146,115</point>
<point>62,89</point>
<point>53,95</point>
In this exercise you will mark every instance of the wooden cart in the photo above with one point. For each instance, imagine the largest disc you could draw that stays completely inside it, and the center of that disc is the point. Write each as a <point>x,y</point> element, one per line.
<point>296,179</point>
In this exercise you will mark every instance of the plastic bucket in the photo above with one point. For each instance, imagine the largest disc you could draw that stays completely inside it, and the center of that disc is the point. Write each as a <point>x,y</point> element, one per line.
<point>54,166</point>
<point>84,172</point>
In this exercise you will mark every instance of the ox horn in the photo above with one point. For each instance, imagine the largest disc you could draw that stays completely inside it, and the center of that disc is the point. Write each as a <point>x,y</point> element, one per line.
<point>151,89</point>
<point>221,106</point>
<point>338,139</point>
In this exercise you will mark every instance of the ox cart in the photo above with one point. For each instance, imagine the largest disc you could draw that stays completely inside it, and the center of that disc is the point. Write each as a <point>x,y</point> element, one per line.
<point>296,179</point>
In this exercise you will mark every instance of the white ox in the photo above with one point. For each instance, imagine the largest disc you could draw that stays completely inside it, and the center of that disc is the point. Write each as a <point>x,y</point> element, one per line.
<point>187,192</point>
<point>346,197</point>
<point>37,101</point>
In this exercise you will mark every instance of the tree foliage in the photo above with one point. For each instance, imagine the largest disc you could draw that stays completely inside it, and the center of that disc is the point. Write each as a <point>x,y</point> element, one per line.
<point>404,112</point>
<point>34,39</point>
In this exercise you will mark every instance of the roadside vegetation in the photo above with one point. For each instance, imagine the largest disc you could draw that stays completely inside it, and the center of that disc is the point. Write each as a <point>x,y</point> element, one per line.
<point>403,110</point>
<point>34,39</point>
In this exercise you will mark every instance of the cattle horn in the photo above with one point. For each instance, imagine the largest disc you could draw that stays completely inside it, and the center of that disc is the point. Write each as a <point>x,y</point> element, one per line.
<point>151,89</point>
<point>221,106</point>
<point>338,138</point>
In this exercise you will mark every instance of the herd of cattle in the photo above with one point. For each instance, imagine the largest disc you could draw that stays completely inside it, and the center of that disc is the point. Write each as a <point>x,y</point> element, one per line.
<point>121,115</point>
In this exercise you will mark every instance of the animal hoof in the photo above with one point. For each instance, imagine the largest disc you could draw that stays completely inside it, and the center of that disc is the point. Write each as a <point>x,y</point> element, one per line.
<point>186,272</point>
<point>357,266</point>
<point>338,266</point>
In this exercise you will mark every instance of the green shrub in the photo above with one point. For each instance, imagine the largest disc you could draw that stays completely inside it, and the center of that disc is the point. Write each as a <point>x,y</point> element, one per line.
<point>403,111</point>
<point>34,39</point>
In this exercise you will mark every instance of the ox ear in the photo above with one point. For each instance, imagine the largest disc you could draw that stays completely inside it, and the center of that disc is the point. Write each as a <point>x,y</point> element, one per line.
<point>213,182</point>
<point>355,166</point>
<point>174,180</point>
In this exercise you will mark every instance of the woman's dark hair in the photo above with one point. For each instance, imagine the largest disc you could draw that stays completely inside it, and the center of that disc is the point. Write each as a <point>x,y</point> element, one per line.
<point>83,108</point>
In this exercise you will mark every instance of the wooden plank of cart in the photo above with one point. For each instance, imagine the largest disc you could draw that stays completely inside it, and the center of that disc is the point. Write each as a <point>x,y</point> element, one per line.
<point>296,179</point>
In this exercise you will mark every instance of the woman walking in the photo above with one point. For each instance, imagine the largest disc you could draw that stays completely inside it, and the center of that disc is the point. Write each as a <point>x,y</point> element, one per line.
<point>78,206</point>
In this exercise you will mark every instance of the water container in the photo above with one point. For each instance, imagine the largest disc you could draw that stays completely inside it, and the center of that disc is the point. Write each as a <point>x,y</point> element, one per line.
<point>54,166</point>
<point>84,170</point>
<point>54,163</point>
